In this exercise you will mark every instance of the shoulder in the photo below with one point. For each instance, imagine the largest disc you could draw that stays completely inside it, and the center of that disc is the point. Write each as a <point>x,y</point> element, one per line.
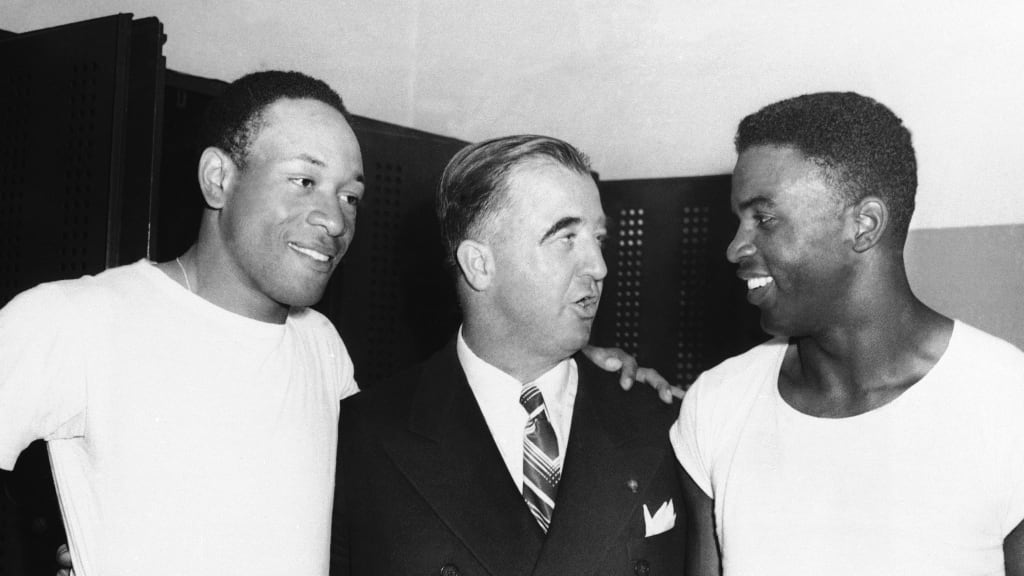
<point>313,325</point>
<point>991,366</point>
<point>640,404</point>
<point>393,399</point>
<point>320,337</point>
<point>722,397</point>
<point>741,375</point>
<point>386,396</point>
<point>716,408</point>
<point>74,297</point>
<point>310,320</point>
<point>43,301</point>
<point>118,288</point>
<point>984,349</point>
<point>138,276</point>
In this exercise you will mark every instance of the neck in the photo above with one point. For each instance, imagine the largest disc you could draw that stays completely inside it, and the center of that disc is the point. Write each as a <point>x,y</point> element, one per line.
<point>216,279</point>
<point>501,352</point>
<point>888,342</point>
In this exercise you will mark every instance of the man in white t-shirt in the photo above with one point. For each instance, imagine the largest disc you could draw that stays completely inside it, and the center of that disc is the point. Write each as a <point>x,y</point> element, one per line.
<point>190,407</point>
<point>873,435</point>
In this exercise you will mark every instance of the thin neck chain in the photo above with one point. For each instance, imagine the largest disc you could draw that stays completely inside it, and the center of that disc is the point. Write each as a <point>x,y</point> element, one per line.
<point>188,284</point>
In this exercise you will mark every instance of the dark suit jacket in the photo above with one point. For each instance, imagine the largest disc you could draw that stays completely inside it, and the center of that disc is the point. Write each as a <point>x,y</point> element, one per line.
<point>422,488</point>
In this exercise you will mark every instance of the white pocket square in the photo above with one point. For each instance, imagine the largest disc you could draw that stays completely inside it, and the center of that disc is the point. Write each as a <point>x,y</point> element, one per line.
<point>662,521</point>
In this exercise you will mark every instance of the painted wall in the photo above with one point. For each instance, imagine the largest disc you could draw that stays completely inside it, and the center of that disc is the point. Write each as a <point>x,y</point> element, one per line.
<point>655,88</point>
<point>649,88</point>
<point>975,274</point>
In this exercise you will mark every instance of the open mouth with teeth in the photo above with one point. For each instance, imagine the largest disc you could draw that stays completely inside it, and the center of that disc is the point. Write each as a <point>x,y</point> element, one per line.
<point>588,304</point>
<point>761,282</point>
<point>315,255</point>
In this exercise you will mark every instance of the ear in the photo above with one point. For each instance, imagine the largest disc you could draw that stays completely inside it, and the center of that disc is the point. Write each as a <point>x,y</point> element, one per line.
<point>871,218</point>
<point>216,169</point>
<point>476,262</point>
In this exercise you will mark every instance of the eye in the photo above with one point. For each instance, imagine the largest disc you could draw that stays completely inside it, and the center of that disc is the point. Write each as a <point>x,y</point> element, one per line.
<point>351,199</point>
<point>764,219</point>
<point>602,239</point>
<point>303,182</point>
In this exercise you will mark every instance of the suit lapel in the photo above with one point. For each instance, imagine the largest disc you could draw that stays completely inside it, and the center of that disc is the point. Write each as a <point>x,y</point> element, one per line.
<point>595,502</point>
<point>451,459</point>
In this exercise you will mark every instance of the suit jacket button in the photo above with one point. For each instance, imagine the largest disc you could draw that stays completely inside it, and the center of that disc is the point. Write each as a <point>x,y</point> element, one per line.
<point>641,568</point>
<point>449,569</point>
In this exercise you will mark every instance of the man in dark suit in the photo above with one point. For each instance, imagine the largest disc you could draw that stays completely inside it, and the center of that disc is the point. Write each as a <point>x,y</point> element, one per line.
<point>508,453</point>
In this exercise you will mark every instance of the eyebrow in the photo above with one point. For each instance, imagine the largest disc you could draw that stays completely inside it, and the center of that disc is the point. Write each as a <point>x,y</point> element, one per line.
<point>310,159</point>
<point>562,223</point>
<point>756,202</point>
<point>320,164</point>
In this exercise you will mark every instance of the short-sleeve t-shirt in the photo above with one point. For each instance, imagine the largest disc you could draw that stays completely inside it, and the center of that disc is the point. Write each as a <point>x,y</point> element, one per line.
<point>184,439</point>
<point>930,483</point>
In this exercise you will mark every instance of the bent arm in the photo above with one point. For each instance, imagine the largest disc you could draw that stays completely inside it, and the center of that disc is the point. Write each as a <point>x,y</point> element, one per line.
<point>702,554</point>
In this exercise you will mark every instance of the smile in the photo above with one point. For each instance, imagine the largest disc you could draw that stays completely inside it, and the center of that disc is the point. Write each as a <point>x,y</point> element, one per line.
<point>761,282</point>
<point>314,254</point>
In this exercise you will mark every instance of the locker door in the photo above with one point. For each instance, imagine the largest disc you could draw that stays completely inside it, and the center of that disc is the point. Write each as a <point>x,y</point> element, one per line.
<point>671,297</point>
<point>78,155</point>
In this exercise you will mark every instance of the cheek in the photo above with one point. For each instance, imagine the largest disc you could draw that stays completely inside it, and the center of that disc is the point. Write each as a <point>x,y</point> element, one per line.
<point>554,271</point>
<point>251,206</point>
<point>236,221</point>
<point>528,288</point>
<point>351,217</point>
<point>817,269</point>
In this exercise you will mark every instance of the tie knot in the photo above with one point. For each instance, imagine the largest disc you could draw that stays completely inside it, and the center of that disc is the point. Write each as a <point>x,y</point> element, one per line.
<point>531,399</point>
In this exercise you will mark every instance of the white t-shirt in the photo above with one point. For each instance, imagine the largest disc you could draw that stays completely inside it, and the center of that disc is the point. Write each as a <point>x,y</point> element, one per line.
<point>184,439</point>
<point>930,483</point>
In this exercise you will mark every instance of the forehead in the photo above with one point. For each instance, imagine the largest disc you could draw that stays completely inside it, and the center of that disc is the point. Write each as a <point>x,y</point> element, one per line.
<point>771,172</point>
<point>307,126</point>
<point>544,191</point>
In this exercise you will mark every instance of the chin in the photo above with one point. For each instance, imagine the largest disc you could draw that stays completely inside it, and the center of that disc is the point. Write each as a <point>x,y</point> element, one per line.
<point>576,343</point>
<point>772,326</point>
<point>301,298</point>
<point>779,329</point>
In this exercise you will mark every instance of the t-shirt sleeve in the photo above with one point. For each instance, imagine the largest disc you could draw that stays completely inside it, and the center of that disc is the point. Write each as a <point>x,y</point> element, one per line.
<point>348,377</point>
<point>41,371</point>
<point>686,436</point>
<point>1015,511</point>
<point>1012,438</point>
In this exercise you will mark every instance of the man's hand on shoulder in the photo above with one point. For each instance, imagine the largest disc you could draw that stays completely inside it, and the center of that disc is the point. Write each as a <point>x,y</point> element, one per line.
<point>616,359</point>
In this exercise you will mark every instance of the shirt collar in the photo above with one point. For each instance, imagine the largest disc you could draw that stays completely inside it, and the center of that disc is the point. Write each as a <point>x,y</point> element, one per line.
<point>496,388</point>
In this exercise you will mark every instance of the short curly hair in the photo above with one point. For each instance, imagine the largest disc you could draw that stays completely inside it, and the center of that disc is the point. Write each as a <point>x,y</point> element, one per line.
<point>862,146</point>
<point>234,119</point>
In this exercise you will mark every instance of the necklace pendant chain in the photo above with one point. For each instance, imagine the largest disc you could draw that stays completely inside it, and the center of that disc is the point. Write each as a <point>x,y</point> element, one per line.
<point>188,285</point>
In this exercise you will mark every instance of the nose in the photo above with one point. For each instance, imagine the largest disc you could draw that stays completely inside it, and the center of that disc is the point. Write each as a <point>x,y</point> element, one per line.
<point>741,246</point>
<point>331,216</point>
<point>594,265</point>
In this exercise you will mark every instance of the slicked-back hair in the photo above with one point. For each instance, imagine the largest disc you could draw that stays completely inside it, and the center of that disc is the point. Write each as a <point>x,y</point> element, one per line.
<point>862,147</point>
<point>234,119</point>
<point>474,185</point>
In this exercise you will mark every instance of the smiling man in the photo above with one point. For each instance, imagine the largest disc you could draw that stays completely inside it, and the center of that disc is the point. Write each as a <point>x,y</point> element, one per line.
<point>190,407</point>
<point>873,435</point>
<point>507,453</point>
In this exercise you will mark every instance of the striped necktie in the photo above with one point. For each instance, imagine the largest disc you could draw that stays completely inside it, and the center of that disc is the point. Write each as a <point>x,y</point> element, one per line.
<point>541,471</point>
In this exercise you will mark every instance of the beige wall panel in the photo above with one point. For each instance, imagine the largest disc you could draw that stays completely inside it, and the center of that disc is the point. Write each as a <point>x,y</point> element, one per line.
<point>975,274</point>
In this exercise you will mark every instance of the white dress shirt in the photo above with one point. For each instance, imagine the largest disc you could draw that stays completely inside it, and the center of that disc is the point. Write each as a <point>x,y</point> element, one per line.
<point>497,394</point>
